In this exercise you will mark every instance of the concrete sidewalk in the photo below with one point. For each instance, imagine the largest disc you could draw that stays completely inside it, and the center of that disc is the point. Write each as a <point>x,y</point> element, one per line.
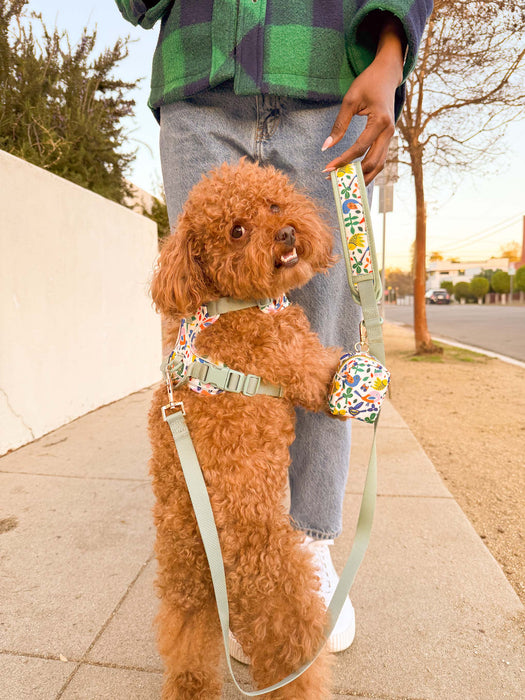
<point>436,617</point>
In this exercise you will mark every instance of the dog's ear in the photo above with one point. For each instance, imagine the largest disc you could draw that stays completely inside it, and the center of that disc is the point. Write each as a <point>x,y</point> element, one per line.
<point>178,285</point>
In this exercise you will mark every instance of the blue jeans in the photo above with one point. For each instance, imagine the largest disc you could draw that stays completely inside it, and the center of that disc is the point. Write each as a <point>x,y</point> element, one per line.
<point>216,126</point>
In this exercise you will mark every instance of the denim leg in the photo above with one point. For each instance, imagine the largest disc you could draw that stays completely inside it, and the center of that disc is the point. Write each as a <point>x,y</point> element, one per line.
<point>217,126</point>
<point>321,451</point>
<point>200,133</point>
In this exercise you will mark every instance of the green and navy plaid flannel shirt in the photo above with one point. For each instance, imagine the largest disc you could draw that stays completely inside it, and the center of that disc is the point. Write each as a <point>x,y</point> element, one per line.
<point>310,49</point>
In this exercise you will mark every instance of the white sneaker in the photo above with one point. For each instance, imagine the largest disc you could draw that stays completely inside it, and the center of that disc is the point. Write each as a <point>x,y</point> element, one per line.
<point>236,651</point>
<point>344,630</point>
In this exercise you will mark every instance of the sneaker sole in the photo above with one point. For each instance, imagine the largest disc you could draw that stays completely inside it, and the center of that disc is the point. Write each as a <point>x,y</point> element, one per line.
<point>335,644</point>
<point>236,651</point>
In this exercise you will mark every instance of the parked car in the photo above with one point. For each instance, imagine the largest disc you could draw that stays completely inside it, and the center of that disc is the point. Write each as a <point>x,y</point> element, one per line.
<point>437,296</point>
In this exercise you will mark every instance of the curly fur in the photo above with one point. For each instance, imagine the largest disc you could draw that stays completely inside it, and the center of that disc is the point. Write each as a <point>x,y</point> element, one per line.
<point>242,442</point>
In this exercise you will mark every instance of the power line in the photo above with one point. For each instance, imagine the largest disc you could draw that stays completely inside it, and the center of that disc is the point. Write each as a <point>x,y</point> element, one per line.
<point>486,233</point>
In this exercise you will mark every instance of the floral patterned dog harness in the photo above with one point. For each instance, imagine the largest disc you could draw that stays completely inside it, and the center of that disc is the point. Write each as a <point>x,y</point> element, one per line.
<point>210,378</point>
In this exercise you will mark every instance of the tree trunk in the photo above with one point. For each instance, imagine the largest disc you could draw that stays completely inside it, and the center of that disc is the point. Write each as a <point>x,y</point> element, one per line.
<point>424,342</point>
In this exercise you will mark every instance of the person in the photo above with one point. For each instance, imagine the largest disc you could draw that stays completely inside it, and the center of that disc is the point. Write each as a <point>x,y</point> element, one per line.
<point>282,82</point>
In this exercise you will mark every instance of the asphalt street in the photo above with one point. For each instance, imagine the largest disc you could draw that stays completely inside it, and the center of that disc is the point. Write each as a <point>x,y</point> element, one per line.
<point>500,329</point>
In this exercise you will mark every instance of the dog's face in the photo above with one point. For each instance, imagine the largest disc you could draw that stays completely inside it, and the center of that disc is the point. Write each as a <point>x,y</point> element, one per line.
<point>245,232</point>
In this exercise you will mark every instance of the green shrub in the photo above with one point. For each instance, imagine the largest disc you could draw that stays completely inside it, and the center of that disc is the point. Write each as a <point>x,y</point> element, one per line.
<point>63,106</point>
<point>479,286</point>
<point>461,290</point>
<point>449,286</point>
<point>500,282</point>
<point>519,279</point>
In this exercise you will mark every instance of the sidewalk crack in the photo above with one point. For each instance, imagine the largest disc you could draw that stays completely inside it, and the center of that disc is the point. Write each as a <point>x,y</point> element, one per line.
<point>84,477</point>
<point>101,631</point>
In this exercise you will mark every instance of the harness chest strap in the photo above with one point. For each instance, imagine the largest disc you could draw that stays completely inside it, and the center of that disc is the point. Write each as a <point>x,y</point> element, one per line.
<point>231,380</point>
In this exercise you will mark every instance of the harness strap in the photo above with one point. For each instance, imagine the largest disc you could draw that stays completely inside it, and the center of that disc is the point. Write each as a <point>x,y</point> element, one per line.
<point>210,538</point>
<point>226,304</point>
<point>232,380</point>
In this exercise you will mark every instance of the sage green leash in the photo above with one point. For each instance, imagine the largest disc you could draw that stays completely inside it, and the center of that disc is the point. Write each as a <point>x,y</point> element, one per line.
<point>210,538</point>
<point>365,288</point>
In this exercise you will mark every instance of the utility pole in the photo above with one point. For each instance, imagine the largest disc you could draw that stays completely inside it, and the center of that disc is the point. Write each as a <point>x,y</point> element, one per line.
<point>522,260</point>
<point>512,272</point>
<point>385,182</point>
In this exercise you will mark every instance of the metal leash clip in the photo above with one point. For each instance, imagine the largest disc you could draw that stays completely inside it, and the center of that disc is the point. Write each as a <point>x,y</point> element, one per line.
<point>172,405</point>
<point>362,345</point>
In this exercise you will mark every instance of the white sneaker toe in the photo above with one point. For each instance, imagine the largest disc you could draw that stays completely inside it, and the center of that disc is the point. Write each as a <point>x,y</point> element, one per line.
<point>236,651</point>
<point>344,632</point>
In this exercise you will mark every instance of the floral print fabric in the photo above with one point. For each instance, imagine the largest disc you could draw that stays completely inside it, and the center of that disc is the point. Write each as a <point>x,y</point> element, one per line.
<point>359,387</point>
<point>354,219</point>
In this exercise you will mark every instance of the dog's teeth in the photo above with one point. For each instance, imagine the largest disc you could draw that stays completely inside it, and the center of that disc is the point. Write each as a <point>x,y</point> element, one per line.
<point>289,256</point>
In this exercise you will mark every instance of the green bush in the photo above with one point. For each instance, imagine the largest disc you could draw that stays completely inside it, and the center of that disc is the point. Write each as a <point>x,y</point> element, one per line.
<point>461,290</point>
<point>449,286</point>
<point>159,214</point>
<point>500,282</point>
<point>479,286</point>
<point>62,106</point>
<point>519,279</point>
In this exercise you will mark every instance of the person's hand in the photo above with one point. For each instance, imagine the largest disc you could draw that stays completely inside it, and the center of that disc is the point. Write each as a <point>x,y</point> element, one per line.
<point>372,95</point>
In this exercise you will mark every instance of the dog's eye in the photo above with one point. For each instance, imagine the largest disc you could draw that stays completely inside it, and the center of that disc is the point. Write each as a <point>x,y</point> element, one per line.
<point>275,208</point>
<point>237,231</point>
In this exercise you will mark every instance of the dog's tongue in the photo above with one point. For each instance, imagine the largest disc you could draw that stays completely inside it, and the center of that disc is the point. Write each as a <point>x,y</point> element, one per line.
<point>289,259</point>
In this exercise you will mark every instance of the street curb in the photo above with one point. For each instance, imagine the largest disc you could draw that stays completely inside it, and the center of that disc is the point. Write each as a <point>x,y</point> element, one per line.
<point>457,344</point>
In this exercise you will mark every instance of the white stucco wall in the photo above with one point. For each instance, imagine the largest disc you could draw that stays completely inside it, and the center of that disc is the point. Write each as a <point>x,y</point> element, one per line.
<point>77,329</point>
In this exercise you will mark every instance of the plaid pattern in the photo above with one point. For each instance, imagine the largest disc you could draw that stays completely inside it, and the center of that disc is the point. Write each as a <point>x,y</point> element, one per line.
<point>309,49</point>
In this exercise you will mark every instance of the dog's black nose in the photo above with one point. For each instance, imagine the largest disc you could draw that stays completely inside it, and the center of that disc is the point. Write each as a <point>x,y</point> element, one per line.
<point>286,235</point>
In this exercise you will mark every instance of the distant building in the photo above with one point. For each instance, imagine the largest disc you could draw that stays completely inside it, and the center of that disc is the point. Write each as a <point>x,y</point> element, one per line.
<point>439,271</point>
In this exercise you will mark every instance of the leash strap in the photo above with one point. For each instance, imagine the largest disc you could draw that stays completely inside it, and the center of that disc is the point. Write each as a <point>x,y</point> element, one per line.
<point>355,224</point>
<point>210,538</point>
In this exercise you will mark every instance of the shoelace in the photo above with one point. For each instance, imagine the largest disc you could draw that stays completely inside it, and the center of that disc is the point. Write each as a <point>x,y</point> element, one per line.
<point>324,566</point>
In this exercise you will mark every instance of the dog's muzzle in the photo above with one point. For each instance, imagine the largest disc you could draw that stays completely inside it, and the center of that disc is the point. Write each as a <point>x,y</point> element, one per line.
<point>289,257</point>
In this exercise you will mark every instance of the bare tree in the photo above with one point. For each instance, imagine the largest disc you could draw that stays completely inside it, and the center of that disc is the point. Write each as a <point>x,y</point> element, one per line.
<point>468,85</point>
<point>511,250</point>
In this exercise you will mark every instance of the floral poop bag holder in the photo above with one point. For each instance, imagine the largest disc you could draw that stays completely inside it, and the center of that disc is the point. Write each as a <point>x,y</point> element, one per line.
<point>361,381</point>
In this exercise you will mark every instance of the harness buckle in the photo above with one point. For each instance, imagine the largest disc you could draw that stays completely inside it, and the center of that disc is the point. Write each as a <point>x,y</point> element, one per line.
<point>251,385</point>
<point>238,378</point>
<point>175,369</point>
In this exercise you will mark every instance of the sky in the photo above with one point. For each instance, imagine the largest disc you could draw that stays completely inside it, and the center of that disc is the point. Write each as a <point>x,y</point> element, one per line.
<point>469,216</point>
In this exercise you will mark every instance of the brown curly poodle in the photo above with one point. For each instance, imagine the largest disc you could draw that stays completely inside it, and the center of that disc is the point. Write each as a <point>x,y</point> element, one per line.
<point>246,233</point>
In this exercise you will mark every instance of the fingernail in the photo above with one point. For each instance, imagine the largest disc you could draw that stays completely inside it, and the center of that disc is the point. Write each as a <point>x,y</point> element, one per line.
<point>328,170</point>
<point>329,141</point>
